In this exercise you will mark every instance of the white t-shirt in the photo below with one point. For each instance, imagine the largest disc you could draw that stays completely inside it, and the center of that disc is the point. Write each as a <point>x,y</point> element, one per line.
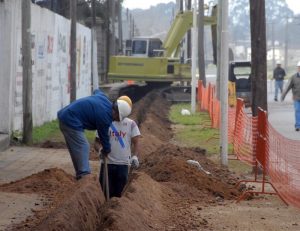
<point>126,129</point>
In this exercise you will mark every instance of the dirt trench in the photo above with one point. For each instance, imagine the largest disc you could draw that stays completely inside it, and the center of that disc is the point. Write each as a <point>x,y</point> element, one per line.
<point>164,194</point>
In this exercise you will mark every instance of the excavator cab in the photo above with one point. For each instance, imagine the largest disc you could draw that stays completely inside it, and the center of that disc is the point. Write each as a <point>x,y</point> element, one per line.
<point>144,47</point>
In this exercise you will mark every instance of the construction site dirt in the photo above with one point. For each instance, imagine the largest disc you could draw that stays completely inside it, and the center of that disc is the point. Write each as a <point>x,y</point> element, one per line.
<point>165,193</point>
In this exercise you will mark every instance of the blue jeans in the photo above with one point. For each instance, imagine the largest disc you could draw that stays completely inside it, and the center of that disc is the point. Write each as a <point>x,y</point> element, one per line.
<point>297,113</point>
<point>117,179</point>
<point>79,149</point>
<point>278,85</point>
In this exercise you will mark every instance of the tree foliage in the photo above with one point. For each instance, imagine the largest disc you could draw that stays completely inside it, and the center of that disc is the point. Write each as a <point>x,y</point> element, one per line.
<point>276,12</point>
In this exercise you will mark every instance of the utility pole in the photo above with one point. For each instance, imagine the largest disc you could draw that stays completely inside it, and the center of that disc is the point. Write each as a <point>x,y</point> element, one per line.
<point>113,30</point>
<point>94,66</point>
<point>130,26</point>
<point>273,45</point>
<point>219,32</point>
<point>93,13</point>
<point>194,57</point>
<point>108,47</point>
<point>189,47</point>
<point>224,84</point>
<point>73,13</point>
<point>286,44</point>
<point>181,6</point>
<point>133,27</point>
<point>27,71</point>
<point>258,56</point>
<point>201,58</point>
<point>120,29</point>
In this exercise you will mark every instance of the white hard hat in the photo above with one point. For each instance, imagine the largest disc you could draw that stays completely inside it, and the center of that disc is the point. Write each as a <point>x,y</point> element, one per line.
<point>298,64</point>
<point>278,63</point>
<point>124,109</point>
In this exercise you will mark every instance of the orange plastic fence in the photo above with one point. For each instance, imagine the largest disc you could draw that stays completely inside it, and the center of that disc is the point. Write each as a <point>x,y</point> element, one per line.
<point>208,102</point>
<point>245,135</point>
<point>256,142</point>
<point>283,165</point>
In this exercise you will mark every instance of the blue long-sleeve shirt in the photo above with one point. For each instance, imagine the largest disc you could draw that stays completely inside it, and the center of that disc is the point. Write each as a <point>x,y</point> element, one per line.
<point>91,113</point>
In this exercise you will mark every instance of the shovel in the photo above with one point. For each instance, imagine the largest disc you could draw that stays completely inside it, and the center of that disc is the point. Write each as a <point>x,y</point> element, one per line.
<point>105,177</point>
<point>105,181</point>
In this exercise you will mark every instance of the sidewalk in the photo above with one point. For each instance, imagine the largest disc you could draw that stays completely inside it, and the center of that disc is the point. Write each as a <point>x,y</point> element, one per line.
<point>19,162</point>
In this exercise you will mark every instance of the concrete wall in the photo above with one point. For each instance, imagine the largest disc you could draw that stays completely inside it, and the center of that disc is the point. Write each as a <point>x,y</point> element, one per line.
<point>51,64</point>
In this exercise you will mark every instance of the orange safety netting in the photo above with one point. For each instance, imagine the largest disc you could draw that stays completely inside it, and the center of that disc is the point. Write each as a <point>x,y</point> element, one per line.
<point>283,165</point>
<point>255,141</point>
<point>208,102</point>
<point>245,134</point>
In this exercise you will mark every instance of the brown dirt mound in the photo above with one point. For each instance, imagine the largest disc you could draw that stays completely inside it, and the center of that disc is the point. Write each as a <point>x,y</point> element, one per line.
<point>47,183</point>
<point>66,203</point>
<point>168,164</point>
<point>141,208</point>
<point>81,210</point>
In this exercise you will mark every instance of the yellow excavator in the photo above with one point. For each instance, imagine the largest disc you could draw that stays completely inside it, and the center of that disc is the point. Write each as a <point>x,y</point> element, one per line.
<point>153,61</point>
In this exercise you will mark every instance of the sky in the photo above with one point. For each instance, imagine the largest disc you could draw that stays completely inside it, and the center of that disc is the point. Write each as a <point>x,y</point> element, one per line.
<point>145,4</point>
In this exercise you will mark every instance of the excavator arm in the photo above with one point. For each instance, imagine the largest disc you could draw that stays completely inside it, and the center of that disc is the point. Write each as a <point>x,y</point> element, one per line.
<point>182,23</point>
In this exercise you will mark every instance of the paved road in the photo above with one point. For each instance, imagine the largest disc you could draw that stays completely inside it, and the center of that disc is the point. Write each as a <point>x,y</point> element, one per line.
<point>281,114</point>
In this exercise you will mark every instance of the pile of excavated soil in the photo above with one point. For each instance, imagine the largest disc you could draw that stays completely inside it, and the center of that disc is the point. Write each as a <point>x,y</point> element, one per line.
<point>169,164</point>
<point>65,202</point>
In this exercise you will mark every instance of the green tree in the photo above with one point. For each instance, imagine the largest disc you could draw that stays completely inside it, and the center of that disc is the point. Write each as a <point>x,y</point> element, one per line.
<point>276,12</point>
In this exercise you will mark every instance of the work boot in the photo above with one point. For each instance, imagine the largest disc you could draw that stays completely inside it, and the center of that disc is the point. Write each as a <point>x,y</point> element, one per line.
<point>275,99</point>
<point>297,129</point>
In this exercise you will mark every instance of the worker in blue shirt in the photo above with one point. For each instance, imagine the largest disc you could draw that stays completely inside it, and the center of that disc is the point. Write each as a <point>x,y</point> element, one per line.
<point>94,112</point>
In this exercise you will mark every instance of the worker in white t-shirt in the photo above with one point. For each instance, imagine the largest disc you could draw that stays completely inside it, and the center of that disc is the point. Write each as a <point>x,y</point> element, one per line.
<point>124,139</point>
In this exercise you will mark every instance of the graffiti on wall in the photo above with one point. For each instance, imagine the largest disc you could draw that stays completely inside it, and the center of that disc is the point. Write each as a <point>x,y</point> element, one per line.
<point>61,42</point>
<point>51,67</point>
<point>50,44</point>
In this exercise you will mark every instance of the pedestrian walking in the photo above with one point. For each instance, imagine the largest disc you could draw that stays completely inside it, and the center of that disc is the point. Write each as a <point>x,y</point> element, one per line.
<point>278,75</point>
<point>294,84</point>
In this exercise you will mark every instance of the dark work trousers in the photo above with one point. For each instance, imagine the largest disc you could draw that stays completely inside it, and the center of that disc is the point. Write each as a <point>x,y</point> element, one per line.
<point>117,178</point>
<point>79,149</point>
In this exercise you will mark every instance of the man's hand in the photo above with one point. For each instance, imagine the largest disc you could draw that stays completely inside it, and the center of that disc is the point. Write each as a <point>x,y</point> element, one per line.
<point>134,161</point>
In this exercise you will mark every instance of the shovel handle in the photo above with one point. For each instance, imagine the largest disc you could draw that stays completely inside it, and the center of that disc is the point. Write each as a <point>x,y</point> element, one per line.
<point>106,183</point>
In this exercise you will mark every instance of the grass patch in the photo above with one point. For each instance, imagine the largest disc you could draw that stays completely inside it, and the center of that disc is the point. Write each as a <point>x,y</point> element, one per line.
<point>50,131</point>
<point>195,131</point>
<point>195,119</point>
<point>197,136</point>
